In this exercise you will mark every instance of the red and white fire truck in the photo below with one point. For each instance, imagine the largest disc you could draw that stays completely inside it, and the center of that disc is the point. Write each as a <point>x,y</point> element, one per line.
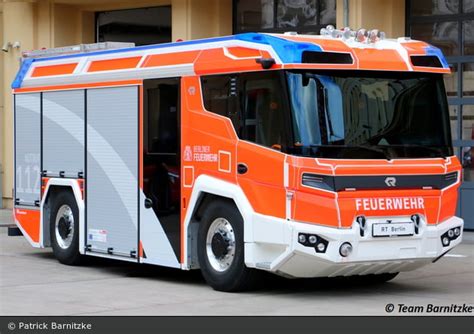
<point>303,156</point>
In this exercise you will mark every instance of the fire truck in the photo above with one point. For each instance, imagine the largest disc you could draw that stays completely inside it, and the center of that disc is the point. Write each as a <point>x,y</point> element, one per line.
<point>301,155</point>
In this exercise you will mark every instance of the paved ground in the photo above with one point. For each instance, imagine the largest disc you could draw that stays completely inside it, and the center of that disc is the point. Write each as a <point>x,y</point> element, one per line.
<point>32,282</point>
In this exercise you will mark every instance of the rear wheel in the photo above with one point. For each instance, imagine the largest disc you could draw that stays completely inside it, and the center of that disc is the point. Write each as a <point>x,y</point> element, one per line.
<point>221,249</point>
<point>64,228</point>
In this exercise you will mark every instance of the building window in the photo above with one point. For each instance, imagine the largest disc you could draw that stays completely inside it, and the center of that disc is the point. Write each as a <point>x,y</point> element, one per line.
<point>141,26</point>
<point>302,16</point>
<point>449,25</point>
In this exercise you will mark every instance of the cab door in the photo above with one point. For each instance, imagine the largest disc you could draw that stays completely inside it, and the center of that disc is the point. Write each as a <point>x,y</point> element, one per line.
<point>260,162</point>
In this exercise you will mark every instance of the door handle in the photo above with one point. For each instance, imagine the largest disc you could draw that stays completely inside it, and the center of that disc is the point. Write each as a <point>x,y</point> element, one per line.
<point>242,168</point>
<point>148,203</point>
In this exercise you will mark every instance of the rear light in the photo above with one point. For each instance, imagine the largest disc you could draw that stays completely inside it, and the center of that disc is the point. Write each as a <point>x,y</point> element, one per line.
<point>44,183</point>
<point>80,182</point>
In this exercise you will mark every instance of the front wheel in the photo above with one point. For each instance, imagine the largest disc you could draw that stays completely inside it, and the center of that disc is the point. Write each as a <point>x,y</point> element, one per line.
<point>221,249</point>
<point>64,228</point>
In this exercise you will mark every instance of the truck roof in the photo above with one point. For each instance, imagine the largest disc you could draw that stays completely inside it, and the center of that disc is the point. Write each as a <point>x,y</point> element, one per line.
<point>237,53</point>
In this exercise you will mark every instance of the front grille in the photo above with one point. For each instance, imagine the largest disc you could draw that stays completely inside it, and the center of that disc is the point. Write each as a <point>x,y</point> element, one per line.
<point>338,183</point>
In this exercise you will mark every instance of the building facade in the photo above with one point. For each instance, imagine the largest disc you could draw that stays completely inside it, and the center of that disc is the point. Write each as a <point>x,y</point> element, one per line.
<point>36,24</point>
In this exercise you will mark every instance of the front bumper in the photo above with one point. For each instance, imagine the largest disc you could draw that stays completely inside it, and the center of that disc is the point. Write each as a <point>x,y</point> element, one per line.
<point>285,256</point>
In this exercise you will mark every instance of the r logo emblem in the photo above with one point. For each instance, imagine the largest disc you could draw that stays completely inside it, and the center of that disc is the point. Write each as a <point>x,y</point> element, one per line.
<point>391,181</point>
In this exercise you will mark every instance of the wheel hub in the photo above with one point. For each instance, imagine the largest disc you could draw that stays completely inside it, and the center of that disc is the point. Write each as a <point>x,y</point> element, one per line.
<point>64,226</point>
<point>220,244</point>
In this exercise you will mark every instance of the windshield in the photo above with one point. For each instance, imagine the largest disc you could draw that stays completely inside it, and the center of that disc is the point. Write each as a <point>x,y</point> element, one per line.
<point>368,114</point>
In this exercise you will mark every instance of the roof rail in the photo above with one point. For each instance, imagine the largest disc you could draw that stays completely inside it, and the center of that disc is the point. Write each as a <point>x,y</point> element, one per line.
<point>80,48</point>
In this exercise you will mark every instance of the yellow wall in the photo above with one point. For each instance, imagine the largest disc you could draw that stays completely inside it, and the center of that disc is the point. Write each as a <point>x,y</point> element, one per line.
<point>385,15</point>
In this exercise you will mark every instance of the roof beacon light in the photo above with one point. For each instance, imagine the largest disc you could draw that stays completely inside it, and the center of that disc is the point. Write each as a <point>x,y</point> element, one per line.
<point>361,35</point>
<point>328,31</point>
<point>347,33</point>
<point>375,35</point>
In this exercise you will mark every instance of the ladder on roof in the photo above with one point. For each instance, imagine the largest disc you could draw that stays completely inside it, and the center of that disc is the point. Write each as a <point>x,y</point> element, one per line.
<point>73,49</point>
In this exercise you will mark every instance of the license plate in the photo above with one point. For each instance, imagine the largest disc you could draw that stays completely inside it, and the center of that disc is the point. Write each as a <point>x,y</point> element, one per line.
<point>393,229</point>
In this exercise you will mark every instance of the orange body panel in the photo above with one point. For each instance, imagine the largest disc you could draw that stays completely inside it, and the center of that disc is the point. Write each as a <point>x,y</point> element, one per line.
<point>370,59</point>
<point>167,59</point>
<point>437,205</point>
<point>241,52</point>
<point>114,64</point>
<point>263,184</point>
<point>44,71</point>
<point>29,221</point>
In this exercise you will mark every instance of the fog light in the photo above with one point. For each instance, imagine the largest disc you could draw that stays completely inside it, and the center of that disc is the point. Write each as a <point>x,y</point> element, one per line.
<point>321,247</point>
<point>312,239</point>
<point>457,231</point>
<point>302,238</point>
<point>445,241</point>
<point>450,233</point>
<point>346,249</point>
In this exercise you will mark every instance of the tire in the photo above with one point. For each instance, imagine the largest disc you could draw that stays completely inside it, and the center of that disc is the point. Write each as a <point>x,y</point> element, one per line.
<point>223,268</point>
<point>64,232</point>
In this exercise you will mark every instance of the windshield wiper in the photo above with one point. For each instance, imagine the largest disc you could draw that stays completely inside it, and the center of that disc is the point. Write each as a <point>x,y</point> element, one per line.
<point>368,148</point>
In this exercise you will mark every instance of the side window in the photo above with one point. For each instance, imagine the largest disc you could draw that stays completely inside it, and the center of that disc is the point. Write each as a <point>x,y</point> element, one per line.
<point>220,98</point>
<point>215,91</point>
<point>257,111</point>
<point>162,103</point>
<point>263,109</point>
